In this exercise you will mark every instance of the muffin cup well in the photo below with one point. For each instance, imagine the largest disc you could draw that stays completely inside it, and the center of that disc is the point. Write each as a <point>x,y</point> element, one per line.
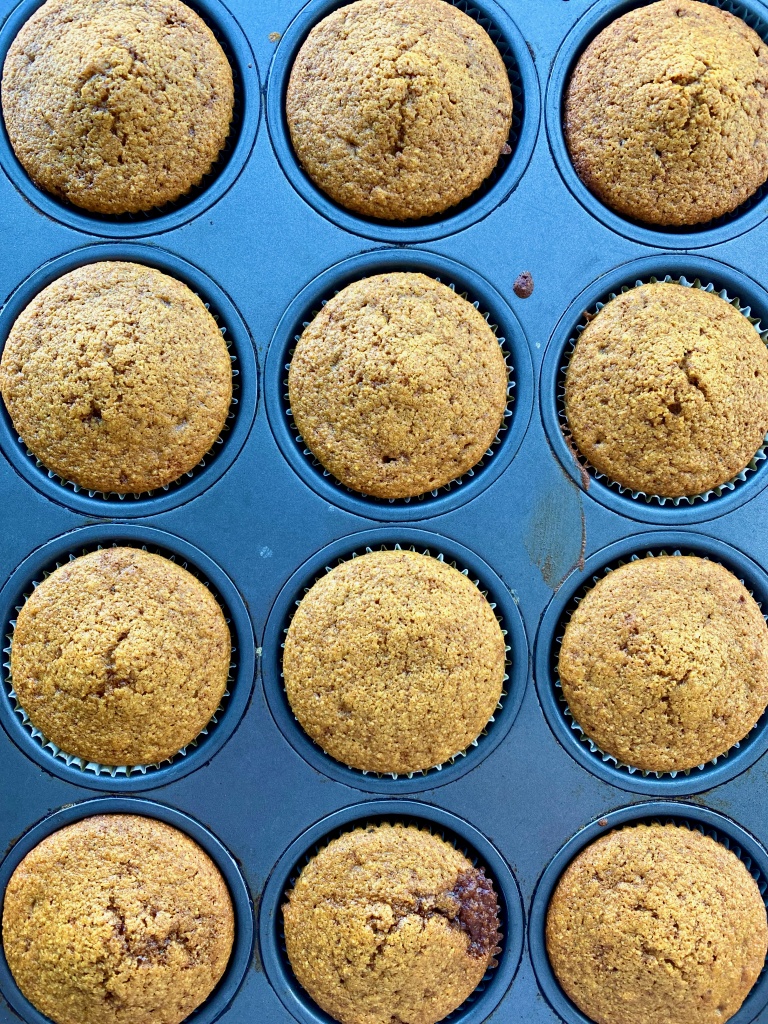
<point>72,760</point>
<point>589,315</point>
<point>240,958</point>
<point>734,287</point>
<point>597,17</point>
<point>701,819</point>
<point>222,175</point>
<point>124,778</point>
<point>408,812</point>
<point>489,585</point>
<point>605,766</point>
<point>244,387</point>
<point>511,338</point>
<point>494,190</point>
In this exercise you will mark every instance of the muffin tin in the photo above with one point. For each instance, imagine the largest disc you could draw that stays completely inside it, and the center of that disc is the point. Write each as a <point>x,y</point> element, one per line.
<point>260,519</point>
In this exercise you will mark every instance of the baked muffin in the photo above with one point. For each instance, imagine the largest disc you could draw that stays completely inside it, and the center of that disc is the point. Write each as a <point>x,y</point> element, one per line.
<point>666,113</point>
<point>398,109</point>
<point>398,386</point>
<point>117,378</point>
<point>667,390</point>
<point>120,657</point>
<point>664,662</point>
<point>657,923</point>
<point>391,923</point>
<point>394,662</point>
<point>116,105</point>
<point>117,918</point>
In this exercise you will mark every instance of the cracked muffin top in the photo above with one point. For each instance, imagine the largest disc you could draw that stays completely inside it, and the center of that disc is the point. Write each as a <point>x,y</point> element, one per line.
<point>398,385</point>
<point>394,662</point>
<point>667,390</point>
<point>398,109</point>
<point>117,918</point>
<point>666,113</point>
<point>117,378</point>
<point>664,662</point>
<point>391,923</point>
<point>120,657</point>
<point>657,923</point>
<point>116,105</point>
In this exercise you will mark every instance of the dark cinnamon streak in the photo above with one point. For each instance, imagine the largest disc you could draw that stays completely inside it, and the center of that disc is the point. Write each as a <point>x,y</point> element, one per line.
<point>478,913</point>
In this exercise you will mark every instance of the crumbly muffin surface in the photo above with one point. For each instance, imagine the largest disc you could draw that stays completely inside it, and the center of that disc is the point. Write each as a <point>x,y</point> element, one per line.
<point>667,390</point>
<point>657,923</point>
<point>391,923</point>
<point>120,657</point>
<point>666,113</point>
<point>394,662</point>
<point>398,109</point>
<point>117,918</point>
<point>117,105</point>
<point>117,378</point>
<point>398,385</point>
<point>664,663</point>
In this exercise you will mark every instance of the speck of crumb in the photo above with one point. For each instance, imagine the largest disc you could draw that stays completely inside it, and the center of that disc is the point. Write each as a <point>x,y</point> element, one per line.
<point>506,149</point>
<point>523,286</point>
<point>603,822</point>
<point>275,37</point>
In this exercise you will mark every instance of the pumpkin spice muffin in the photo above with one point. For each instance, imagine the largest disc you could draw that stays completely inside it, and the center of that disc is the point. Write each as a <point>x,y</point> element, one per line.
<point>116,105</point>
<point>664,662</point>
<point>398,386</point>
<point>666,113</point>
<point>657,923</point>
<point>117,378</point>
<point>391,923</point>
<point>667,390</point>
<point>117,918</point>
<point>398,109</point>
<point>394,662</point>
<point>120,657</point>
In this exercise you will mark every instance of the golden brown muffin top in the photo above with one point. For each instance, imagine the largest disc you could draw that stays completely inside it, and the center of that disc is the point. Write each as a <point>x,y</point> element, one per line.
<point>117,918</point>
<point>120,657</point>
<point>657,923</point>
<point>398,385</point>
<point>667,390</point>
<point>389,922</point>
<point>666,113</point>
<point>116,105</point>
<point>394,662</point>
<point>664,663</point>
<point>117,378</point>
<point>398,109</point>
